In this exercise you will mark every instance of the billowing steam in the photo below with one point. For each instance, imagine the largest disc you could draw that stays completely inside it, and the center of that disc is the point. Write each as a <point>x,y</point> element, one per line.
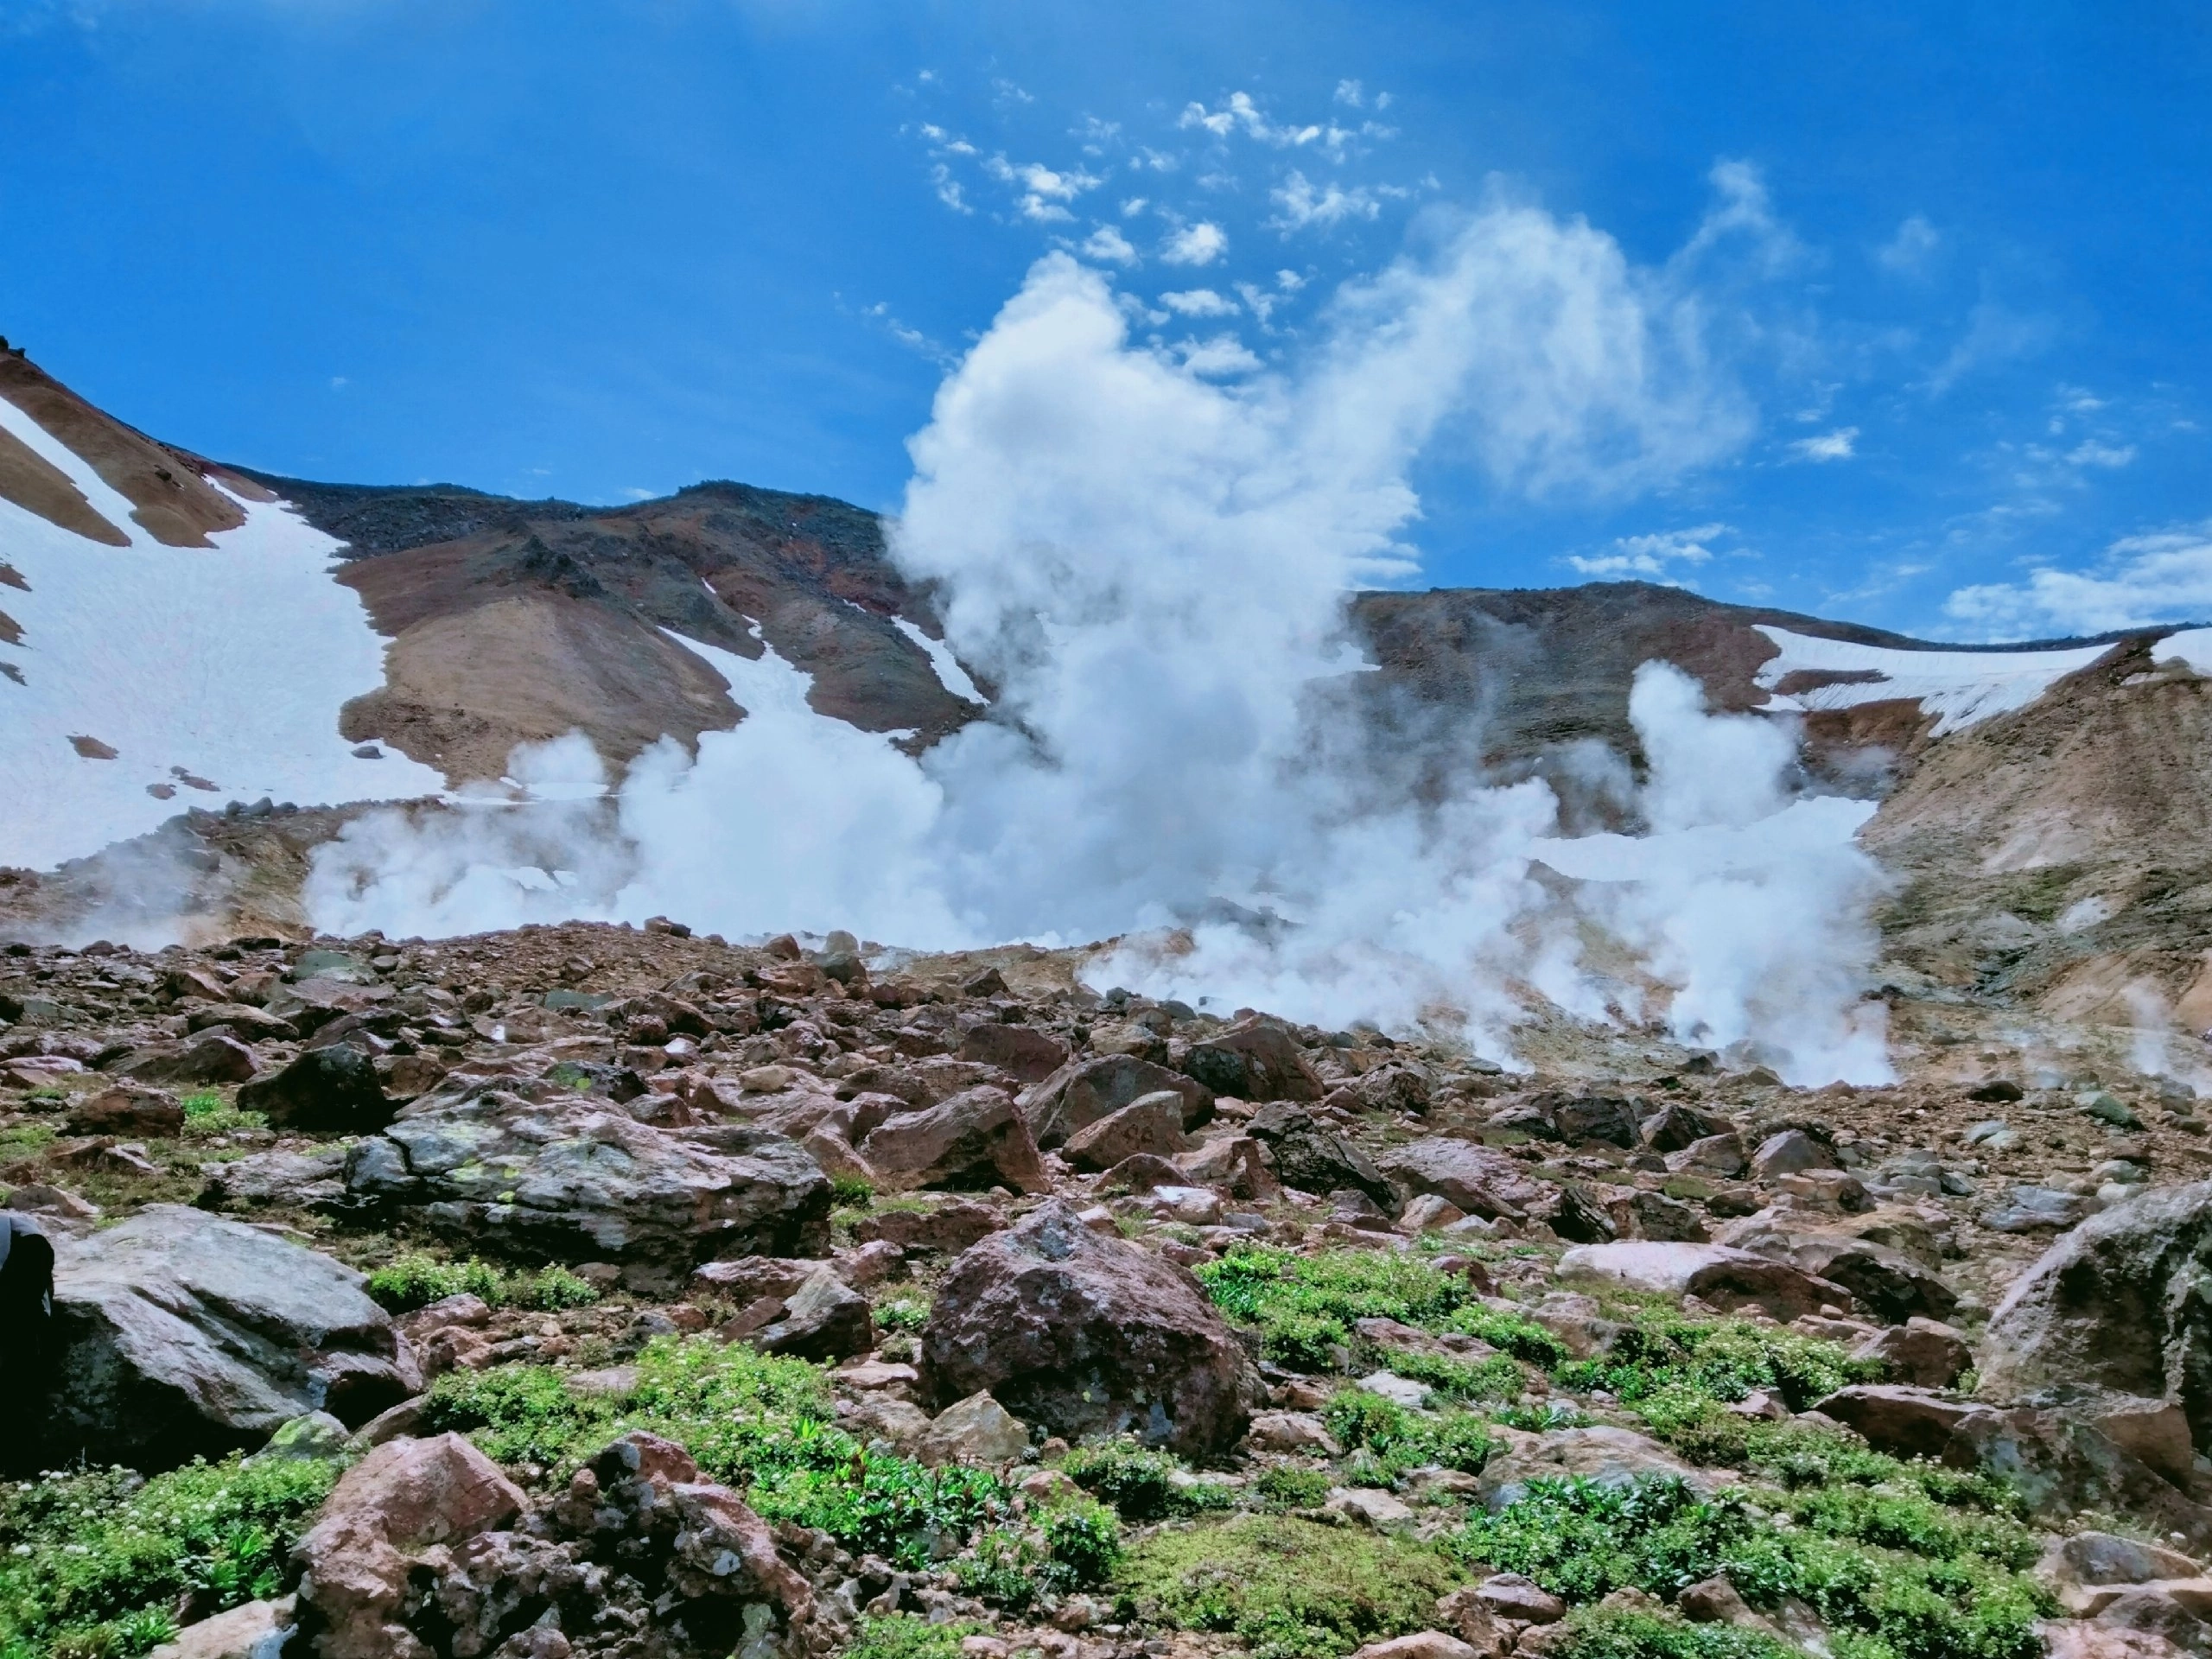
<point>1152,566</point>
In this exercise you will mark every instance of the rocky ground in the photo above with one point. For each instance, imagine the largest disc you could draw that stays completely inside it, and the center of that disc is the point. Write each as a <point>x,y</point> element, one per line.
<point>599,1291</point>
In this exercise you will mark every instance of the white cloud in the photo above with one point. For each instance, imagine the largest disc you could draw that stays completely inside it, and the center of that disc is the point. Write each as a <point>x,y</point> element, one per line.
<point>1910,251</point>
<point>1135,206</point>
<point>1221,356</point>
<point>1353,94</point>
<point>1241,113</point>
<point>947,189</point>
<point>2162,576</point>
<point>1650,556</point>
<point>1300,203</point>
<point>1195,245</point>
<point>1199,302</point>
<point>1261,303</point>
<point>1839,445</point>
<point>1043,188</point>
<point>1108,244</point>
<point>2090,453</point>
<point>1994,335</point>
<point>1289,281</point>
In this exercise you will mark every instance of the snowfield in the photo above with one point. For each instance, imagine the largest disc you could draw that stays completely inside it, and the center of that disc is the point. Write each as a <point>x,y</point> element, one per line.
<point>226,665</point>
<point>1960,688</point>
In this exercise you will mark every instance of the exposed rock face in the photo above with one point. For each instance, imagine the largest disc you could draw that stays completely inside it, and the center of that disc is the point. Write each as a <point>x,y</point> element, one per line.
<point>825,1320</point>
<point>332,1088</point>
<point>1473,1178</point>
<point>403,1499</point>
<point>1715,1274</point>
<point>1021,1051</point>
<point>1573,1116</point>
<point>181,1333</point>
<point>572,1180</point>
<point>2122,1303</point>
<point>1088,1335</point>
<point>1256,1061</point>
<point>1083,1091</point>
<point>979,1138</point>
<point>1314,1159</point>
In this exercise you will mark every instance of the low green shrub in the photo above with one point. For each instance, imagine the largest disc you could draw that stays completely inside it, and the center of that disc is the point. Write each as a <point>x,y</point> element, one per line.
<point>1288,1588</point>
<point>416,1280</point>
<point>1141,1482</point>
<point>851,1191</point>
<point>91,1564</point>
<point>1072,1546</point>
<point>908,1636</point>
<point>909,1311</point>
<point>1291,1487</point>
<point>1385,1440</point>
<point>758,1422</point>
<point>1498,1377</point>
<point>1305,1305</point>
<point>1724,1359</point>
<point>207,1114</point>
<point>1891,1569</point>
<point>1604,1633</point>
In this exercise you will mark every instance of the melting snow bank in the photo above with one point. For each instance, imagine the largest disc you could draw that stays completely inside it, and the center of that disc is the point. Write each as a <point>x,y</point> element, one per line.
<point>147,667</point>
<point>1960,688</point>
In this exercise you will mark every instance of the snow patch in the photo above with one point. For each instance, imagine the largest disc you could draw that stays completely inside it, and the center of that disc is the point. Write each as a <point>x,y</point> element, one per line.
<point>226,665</point>
<point>953,677</point>
<point>1960,688</point>
<point>2192,645</point>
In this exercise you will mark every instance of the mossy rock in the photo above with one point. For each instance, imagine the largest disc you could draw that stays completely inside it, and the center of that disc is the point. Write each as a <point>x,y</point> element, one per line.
<point>1290,1588</point>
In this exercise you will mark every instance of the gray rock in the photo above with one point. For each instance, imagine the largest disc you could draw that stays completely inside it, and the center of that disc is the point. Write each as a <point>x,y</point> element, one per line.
<point>1475,1180</point>
<point>183,1334</point>
<point>1716,1273</point>
<point>1789,1152</point>
<point>978,1138</point>
<point>2122,1303</point>
<point>1151,1123</point>
<point>1256,1061</point>
<point>975,1430</point>
<point>211,1056</point>
<point>264,1178</point>
<point>573,1179</point>
<point>824,1319</point>
<point>2036,1210</point>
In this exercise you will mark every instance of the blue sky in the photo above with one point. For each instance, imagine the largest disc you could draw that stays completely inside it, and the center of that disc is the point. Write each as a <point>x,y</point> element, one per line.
<point>1927,285</point>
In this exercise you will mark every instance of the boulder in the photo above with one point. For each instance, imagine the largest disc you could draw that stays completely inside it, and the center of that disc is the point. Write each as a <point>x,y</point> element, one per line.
<point>181,1334</point>
<point>1723,1277</point>
<point>978,1138</point>
<point>1395,1086</point>
<point>1788,1151</point>
<point>1887,1283</point>
<point>2088,1559</point>
<point>1474,1179</point>
<point>211,1057</point>
<point>2027,1209</point>
<point>405,1499</point>
<point>1314,1159</point>
<point>2122,1303</point>
<point>1151,1123</point>
<point>1904,1421</point>
<point>1088,1334</point>
<point>1716,1154</point>
<point>1022,1051</point>
<point>334,1088</point>
<point>574,1179</point>
<point>824,1319</point>
<point>947,1229</point>
<point>1421,1644</point>
<point>1675,1127</point>
<point>1920,1352</point>
<point>1257,1060</point>
<point>975,1430</point>
<point>1572,1115</point>
<point>133,1109</point>
<point>259,1179</point>
<point>1084,1090</point>
<point>258,1629</point>
<point>1236,1164</point>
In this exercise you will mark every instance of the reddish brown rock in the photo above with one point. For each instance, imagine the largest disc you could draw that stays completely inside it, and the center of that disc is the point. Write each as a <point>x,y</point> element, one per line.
<point>1256,1061</point>
<point>1088,1335</point>
<point>1151,1123</point>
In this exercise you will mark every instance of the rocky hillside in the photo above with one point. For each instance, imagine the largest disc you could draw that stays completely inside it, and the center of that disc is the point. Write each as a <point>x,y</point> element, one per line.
<point>599,1291</point>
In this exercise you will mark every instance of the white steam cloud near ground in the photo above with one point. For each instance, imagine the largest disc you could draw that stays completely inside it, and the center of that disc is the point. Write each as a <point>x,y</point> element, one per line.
<point>1152,566</point>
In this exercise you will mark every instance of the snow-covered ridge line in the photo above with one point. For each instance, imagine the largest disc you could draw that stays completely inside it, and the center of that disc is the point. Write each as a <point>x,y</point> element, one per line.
<point>1960,688</point>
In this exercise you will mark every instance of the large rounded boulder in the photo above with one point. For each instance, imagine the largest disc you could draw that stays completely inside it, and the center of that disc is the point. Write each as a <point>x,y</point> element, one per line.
<point>1087,1334</point>
<point>2122,1303</point>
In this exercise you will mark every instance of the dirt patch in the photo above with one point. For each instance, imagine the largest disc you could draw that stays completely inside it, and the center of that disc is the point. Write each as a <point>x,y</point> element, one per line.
<point>36,485</point>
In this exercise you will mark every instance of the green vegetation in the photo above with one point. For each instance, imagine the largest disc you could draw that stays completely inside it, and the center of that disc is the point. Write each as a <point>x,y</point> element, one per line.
<point>909,1311</point>
<point>1073,1547</point>
<point>908,1636</point>
<point>1664,1359</point>
<point>1604,1633</point>
<point>1288,1487</point>
<point>416,1280</point>
<point>207,1114</point>
<point>1142,1484</point>
<point>1305,1305</point>
<point>1890,1567</point>
<point>93,1564</point>
<point>1289,1588</point>
<point>757,1422</point>
<point>1385,1440</point>
<point>851,1191</point>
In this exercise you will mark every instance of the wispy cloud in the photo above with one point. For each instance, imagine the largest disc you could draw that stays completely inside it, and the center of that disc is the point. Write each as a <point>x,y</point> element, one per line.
<point>1199,302</point>
<point>1044,190</point>
<point>1912,250</point>
<point>1994,333</point>
<point>2163,576</point>
<point>1299,204</point>
<point>1839,445</point>
<point>1652,555</point>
